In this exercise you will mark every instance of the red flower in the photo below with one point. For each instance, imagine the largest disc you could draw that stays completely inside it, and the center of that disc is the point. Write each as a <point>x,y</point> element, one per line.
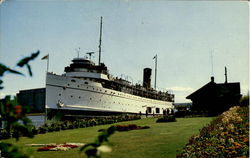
<point>18,110</point>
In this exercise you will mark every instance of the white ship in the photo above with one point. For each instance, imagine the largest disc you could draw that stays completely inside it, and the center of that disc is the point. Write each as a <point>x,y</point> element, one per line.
<point>87,88</point>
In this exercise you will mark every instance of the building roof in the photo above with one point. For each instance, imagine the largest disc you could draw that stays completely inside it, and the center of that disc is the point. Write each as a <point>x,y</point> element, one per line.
<point>213,89</point>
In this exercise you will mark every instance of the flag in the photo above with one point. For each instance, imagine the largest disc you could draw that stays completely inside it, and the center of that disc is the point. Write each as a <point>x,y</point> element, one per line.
<point>155,56</point>
<point>45,57</point>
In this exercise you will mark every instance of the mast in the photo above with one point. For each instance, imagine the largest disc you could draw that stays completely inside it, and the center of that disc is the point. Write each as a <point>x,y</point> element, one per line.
<point>225,74</point>
<point>100,42</point>
<point>155,57</point>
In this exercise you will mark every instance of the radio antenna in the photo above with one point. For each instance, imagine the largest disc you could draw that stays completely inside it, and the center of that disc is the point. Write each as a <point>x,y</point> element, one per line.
<point>78,51</point>
<point>212,62</point>
<point>100,42</point>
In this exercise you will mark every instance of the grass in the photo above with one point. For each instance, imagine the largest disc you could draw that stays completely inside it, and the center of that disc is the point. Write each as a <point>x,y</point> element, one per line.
<point>161,140</point>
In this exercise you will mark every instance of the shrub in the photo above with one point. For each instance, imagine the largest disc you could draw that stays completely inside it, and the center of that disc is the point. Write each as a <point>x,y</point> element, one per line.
<point>4,134</point>
<point>244,101</point>
<point>34,130</point>
<point>166,118</point>
<point>42,130</point>
<point>226,136</point>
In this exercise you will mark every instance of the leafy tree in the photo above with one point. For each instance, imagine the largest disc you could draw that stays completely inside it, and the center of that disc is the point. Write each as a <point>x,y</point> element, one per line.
<point>12,115</point>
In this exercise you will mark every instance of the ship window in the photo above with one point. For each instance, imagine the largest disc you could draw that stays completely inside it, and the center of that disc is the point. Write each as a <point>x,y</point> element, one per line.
<point>71,96</point>
<point>105,91</point>
<point>149,109</point>
<point>73,80</point>
<point>78,86</point>
<point>86,83</point>
<point>64,88</point>
<point>79,97</point>
<point>157,110</point>
<point>59,94</point>
<point>90,98</point>
<point>68,84</point>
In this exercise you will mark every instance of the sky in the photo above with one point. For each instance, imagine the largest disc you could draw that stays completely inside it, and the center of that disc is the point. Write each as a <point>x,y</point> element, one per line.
<point>193,40</point>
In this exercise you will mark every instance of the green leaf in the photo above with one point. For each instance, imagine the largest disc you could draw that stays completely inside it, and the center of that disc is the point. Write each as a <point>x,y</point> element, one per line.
<point>4,69</point>
<point>29,69</point>
<point>92,152</point>
<point>26,60</point>
<point>111,130</point>
<point>87,145</point>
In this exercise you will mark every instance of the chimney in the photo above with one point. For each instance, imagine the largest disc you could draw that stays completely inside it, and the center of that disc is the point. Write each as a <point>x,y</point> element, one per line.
<point>212,79</point>
<point>147,78</point>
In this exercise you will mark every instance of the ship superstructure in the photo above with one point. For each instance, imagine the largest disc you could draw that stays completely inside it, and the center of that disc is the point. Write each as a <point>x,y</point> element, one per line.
<point>86,88</point>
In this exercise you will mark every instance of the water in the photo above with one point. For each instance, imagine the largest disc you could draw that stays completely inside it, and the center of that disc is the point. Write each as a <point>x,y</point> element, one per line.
<point>37,120</point>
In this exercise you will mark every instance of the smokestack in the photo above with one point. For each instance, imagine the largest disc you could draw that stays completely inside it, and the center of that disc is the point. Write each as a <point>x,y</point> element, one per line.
<point>147,78</point>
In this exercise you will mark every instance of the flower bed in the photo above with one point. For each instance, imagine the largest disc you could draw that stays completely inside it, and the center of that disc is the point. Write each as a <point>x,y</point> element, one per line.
<point>226,136</point>
<point>129,127</point>
<point>59,147</point>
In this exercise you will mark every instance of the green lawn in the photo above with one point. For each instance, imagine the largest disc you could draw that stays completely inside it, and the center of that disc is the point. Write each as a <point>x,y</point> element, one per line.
<point>161,140</point>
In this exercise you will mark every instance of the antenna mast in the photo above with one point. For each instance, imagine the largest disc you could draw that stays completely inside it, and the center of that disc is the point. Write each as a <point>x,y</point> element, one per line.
<point>155,57</point>
<point>225,74</point>
<point>212,63</point>
<point>100,43</point>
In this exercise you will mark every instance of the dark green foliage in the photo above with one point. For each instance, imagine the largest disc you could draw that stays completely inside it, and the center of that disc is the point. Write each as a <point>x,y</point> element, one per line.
<point>4,69</point>
<point>11,151</point>
<point>21,63</point>
<point>14,119</point>
<point>42,130</point>
<point>13,116</point>
<point>26,60</point>
<point>91,149</point>
<point>226,136</point>
<point>166,118</point>
<point>244,101</point>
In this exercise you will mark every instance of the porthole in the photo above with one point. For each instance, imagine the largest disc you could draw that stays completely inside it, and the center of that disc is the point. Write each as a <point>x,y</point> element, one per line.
<point>73,80</point>
<point>90,98</point>
<point>79,97</point>
<point>86,83</point>
<point>68,84</point>
<point>59,94</point>
<point>71,96</point>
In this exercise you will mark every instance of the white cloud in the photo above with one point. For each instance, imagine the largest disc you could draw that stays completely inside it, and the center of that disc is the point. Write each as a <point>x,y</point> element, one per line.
<point>181,89</point>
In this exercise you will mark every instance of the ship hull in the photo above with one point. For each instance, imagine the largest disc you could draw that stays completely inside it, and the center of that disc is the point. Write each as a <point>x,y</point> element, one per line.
<point>68,94</point>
